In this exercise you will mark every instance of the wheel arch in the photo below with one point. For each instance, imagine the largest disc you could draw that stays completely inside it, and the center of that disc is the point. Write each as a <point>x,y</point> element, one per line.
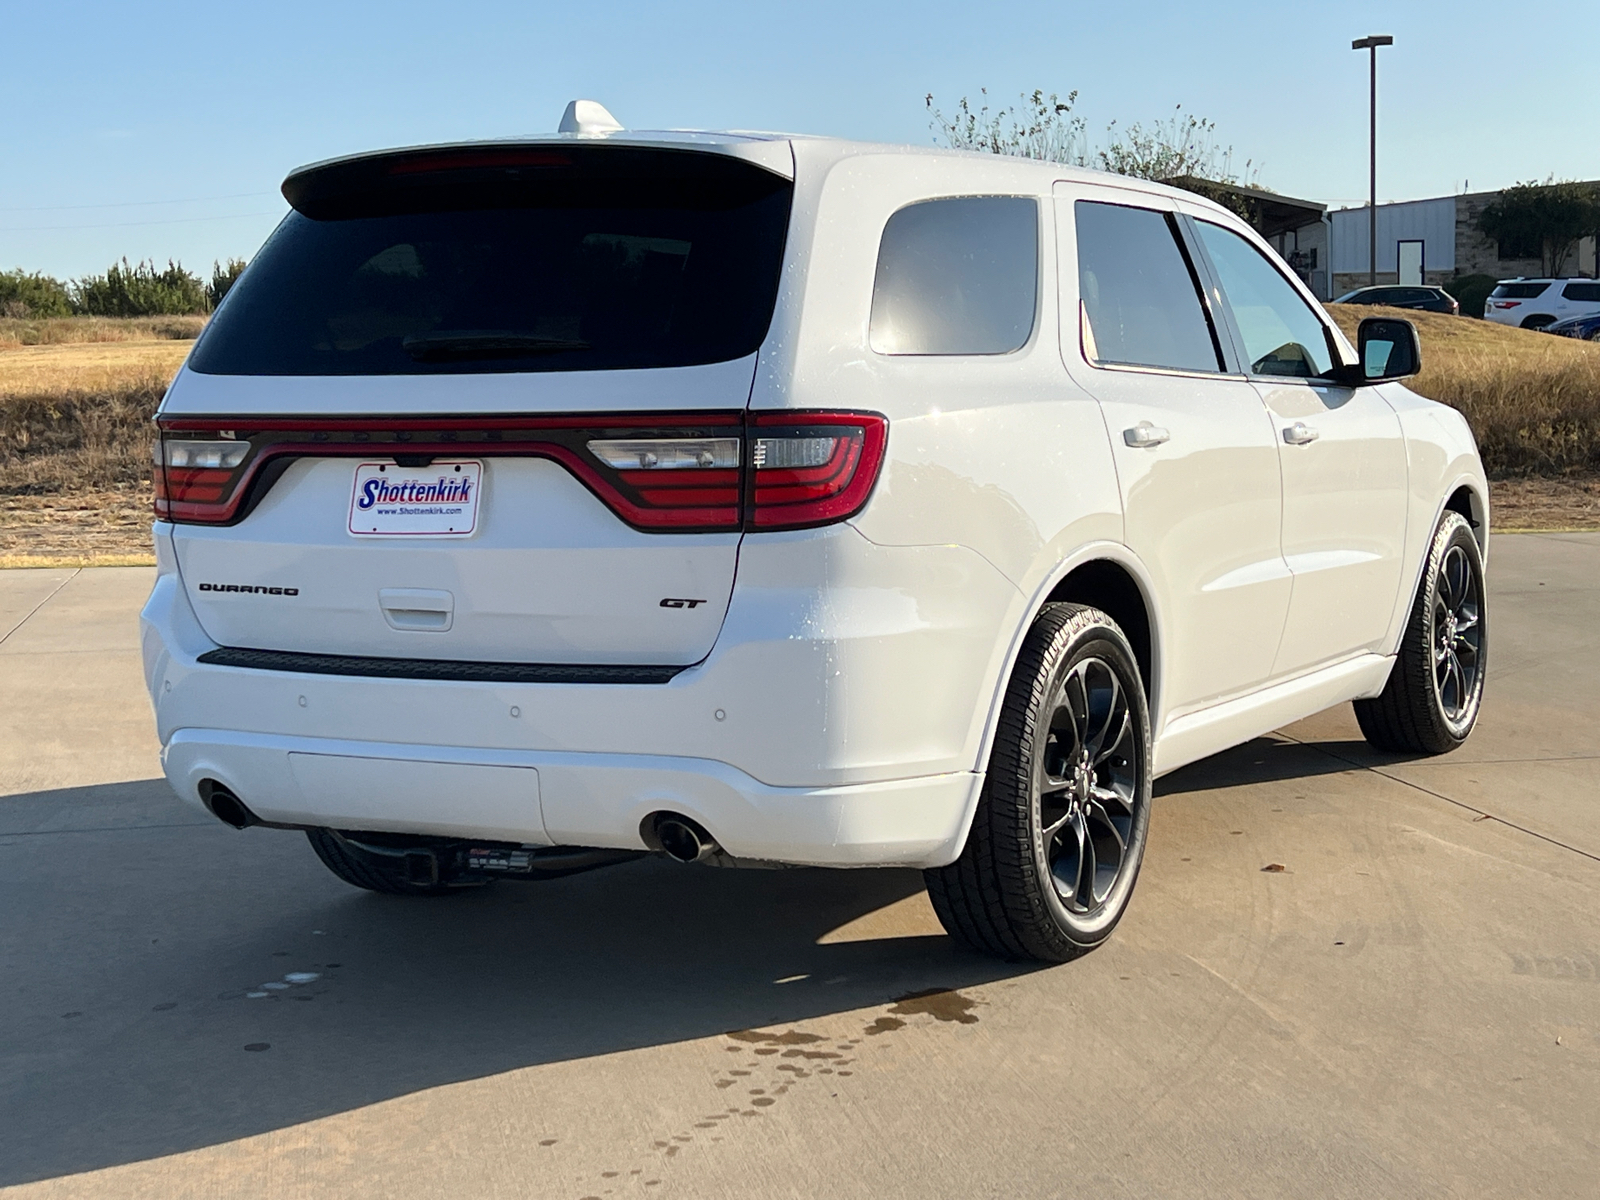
<point>1107,576</point>
<point>1103,575</point>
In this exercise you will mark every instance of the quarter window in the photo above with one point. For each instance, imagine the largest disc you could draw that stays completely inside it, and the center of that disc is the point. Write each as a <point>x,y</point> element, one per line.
<point>1282,335</point>
<point>1141,302</point>
<point>957,276</point>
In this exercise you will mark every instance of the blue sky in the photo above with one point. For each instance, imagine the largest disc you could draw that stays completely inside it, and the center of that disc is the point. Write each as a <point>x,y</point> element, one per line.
<point>163,129</point>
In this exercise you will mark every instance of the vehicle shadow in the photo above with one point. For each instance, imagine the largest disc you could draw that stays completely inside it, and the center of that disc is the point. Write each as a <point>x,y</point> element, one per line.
<point>1274,758</point>
<point>132,936</point>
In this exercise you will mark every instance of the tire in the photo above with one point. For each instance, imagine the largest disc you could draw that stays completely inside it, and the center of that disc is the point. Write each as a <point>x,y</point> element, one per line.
<point>384,869</point>
<point>1538,321</point>
<point>1435,690</point>
<point>1060,779</point>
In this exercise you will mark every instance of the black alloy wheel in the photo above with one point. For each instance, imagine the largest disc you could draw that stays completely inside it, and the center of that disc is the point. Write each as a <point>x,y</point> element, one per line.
<point>1435,690</point>
<point>1055,845</point>
<point>1457,636</point>
<point>1086,781</point>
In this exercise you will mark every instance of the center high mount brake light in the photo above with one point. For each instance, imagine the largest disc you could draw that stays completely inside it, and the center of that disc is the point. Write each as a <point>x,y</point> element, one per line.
<point>681,473</point>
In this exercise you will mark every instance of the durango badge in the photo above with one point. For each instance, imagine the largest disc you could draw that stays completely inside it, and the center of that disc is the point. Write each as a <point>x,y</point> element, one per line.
<point>253,589</point>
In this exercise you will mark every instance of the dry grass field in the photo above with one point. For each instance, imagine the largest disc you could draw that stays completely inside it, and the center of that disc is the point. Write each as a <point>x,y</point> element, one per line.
<point>1533,400</point>
<point>77,395</point>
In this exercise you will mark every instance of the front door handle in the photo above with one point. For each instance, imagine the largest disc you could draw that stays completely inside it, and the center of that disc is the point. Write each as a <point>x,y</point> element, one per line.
<point>1300,434</point>
<point>1144,435</point>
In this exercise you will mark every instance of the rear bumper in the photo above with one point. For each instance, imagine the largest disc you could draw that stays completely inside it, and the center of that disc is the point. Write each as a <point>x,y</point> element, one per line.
<point>837,721</point>
<point>546,798</point>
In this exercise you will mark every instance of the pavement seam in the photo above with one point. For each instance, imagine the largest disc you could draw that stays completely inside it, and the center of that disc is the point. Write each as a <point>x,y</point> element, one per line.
<point>76,572</point>
<point>104,829</point>
<point>1533,833</point>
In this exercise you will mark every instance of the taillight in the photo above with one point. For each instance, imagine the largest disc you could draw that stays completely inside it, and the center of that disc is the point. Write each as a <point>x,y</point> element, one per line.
<point>688,473</point>
<point>198,480</point>
<point>812,468</point>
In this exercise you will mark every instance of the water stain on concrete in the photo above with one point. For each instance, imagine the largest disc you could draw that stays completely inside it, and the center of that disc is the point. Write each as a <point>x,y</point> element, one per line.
<point>943,1004</point>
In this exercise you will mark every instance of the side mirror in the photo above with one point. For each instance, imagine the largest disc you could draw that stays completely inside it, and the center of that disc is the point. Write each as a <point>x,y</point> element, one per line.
<point>1389,349</point>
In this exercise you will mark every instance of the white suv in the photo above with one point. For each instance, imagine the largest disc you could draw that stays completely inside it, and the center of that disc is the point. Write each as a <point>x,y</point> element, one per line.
<point>531,506</point>
<point>1537,303</point>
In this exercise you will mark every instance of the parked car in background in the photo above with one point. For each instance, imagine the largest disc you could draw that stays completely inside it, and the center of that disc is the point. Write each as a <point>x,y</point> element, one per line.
<point>1538,303</point>
<point>1428,299</point>
<point>1585,328</point>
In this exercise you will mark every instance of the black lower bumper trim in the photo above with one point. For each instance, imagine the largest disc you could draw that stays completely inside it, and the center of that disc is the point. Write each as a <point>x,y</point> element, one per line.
<point>434,668</point>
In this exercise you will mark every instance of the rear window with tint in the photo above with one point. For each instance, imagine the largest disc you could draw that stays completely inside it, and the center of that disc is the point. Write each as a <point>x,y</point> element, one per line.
<point>1588,292</point>
<point>957,276</point>
<point>569,259</point>
<point>1519,291</point>
<point>1140,299</point>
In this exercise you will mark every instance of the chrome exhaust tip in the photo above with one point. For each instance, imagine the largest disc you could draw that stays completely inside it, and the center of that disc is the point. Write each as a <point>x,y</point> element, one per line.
<point>225,806</point>
<point>682,839</point>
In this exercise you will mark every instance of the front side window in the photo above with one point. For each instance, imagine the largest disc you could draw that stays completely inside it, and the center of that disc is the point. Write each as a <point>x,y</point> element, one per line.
<point>1586,292</point>
<point>1282,335</point>
<point>957,276</point>
<point>1141,303</point>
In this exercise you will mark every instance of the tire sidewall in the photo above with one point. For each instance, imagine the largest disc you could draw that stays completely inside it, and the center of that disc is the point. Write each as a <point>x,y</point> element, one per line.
<point>1454,531</point>
<point>1093,636</point>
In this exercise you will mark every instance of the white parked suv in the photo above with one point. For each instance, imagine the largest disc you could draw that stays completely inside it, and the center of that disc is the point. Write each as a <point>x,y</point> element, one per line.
<point>1537,303</point>
<point>530,506</point>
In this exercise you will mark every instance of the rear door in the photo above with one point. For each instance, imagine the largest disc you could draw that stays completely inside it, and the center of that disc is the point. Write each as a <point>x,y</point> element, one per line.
<point>481,404</point>
<point>1343,459</point>
<point>1195,450</point>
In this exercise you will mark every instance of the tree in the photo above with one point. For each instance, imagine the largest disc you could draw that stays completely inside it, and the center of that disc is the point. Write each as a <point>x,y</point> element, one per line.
<point>1181,149</point>
<point>1043,128</point>
<point>1547,218</point>
<point>36,295</point>
<point>223,277</point>
<point>140,291</point>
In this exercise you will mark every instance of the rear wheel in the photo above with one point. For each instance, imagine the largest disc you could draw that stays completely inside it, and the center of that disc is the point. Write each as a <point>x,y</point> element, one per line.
<point>1059,834</point>
<point>1435,690</point>
<point>1538,321</point>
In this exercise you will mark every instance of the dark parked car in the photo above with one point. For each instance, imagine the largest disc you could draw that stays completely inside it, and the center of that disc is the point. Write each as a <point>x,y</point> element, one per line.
<point>1587,328</point>
<point>1429,299</point>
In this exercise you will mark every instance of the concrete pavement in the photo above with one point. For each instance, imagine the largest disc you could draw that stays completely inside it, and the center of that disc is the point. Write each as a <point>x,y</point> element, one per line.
<point>1410,1008</point>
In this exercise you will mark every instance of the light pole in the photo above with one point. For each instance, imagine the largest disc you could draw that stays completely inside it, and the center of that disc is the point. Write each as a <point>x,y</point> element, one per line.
<point>1371,44</point>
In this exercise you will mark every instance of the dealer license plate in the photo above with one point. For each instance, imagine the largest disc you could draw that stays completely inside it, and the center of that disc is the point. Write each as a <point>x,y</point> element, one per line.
<point>441,500</point>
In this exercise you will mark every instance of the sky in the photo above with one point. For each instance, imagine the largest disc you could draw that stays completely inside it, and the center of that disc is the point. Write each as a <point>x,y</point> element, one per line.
<point>162,130</point>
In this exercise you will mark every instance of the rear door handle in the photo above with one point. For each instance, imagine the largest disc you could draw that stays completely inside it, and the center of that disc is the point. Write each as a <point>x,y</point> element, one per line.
<point>1144,435</point>
<point>417,609</point>
<point>1300,434</point>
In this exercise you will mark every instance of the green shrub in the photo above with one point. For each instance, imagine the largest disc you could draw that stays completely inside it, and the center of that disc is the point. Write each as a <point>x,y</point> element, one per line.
<point>32,296</point>
<point>223,277</point>
<point>140,291</point>
<point>1471,291</point>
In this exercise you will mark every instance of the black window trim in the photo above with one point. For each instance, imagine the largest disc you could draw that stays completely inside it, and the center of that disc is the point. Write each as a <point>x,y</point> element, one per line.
<point>1334,350</point>
<point>1199,276</point>
<point>1038,278</point>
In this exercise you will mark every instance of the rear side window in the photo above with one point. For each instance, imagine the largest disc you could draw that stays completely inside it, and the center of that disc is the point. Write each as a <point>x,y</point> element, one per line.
<point>1589,292</point>
<point>569,259</point>
<point>1282,336</point>
<point>1519,291</point>
<point>1141,302</point>
<point>957,276</point>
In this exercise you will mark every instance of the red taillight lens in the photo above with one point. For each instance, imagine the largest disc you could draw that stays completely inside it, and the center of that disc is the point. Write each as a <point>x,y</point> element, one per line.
<point>199,480</point>
<point>813,468</point>
<point>686,473</point>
